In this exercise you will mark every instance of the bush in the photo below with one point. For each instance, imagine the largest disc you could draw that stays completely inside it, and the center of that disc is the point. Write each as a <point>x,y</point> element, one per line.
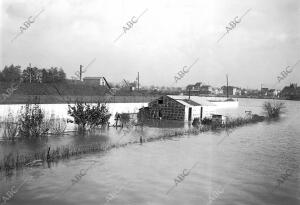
<point>196,122</point>
<point>273,110</point>
<point>57,126</point>
<point>257,118</point>
<point>32,121</point>
<point>11,127</point>
<point>206,121</point>
<point>124,118</point>
<point>89,115</point>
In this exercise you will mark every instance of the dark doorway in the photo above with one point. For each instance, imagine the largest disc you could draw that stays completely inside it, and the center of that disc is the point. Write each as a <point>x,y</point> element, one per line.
<point>190,114</point>
<point>159,114</point>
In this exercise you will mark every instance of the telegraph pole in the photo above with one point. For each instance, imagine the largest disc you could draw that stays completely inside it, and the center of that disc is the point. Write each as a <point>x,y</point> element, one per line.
<point>80,72</point>
<point>227,85</point>
<point>30,71</point>
<point>138,81</point>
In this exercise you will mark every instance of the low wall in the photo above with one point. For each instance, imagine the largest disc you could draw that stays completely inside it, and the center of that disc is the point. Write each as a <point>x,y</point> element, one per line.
<point>57,99</point>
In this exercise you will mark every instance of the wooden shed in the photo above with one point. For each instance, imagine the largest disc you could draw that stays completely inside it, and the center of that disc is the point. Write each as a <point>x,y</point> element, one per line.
<point>179,107</point>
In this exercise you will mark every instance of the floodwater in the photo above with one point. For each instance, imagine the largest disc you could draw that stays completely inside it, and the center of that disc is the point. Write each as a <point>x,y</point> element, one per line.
<point>242,166</point>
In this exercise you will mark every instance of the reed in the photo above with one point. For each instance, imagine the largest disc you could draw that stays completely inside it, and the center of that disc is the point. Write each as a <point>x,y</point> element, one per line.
<point>17,160</point>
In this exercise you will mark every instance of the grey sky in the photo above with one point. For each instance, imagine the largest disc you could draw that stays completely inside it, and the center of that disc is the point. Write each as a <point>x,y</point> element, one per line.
<point>170,35</point>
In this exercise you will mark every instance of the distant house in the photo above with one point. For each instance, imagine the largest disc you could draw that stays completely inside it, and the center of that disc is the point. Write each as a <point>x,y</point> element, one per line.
<point>74,81</point>
<point>130,86</point>
<point>206,89</point>
<point>251,92</point>
<point>217,91</point>
<point>101,81</point>
<point>264,91</point>
<point>179,107</point>
<point>231,90</point>
<point>193,90</point>
<point>237,91</point>
<point>291,92</point>
<point>244,92</point>
<point>133,86</point>
<point>273,93</point>
<point>190,87</point>
<point>199,88</point>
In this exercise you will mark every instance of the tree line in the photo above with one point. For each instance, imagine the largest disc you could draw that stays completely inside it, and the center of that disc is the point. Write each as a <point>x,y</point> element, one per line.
<point>32,74</point>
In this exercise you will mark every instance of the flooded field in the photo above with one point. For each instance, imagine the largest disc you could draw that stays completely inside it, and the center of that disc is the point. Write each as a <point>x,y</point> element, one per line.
<point>243,166</point>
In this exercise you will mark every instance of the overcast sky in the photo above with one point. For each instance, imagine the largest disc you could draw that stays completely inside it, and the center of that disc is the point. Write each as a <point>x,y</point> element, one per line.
<point>171,34</point>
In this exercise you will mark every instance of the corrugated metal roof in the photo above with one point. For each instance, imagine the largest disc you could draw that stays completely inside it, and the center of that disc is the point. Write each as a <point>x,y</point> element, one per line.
<point>183,99</point>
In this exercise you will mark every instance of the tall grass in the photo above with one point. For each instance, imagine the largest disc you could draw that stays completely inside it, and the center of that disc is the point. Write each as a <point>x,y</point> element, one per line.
<point>12,161</point>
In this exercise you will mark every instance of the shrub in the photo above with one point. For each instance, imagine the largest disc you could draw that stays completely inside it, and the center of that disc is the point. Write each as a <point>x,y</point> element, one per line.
<point>57,125</point>
<point>89,115</point>
<point>32,121</point>
<point>196,122</point>
<point>11,127</point>
<point>273,110</point>
<point>124,118</point>
<point>206,121</point>
<point>257,118</point>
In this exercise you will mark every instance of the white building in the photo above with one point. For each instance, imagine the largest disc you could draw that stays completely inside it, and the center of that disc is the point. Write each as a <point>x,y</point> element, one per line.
<point>95,81</point>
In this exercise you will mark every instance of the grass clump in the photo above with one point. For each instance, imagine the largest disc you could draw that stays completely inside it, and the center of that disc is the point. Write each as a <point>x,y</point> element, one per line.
<point>273,110</point>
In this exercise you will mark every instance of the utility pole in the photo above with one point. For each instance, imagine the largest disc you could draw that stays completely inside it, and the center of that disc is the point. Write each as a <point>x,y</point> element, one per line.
<point>80,72</point>
<point>29,72</point>
<point>227,85</point>
<point>138,81</point>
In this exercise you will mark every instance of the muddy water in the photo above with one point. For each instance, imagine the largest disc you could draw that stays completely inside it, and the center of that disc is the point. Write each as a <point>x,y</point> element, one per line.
<point>254,164</point>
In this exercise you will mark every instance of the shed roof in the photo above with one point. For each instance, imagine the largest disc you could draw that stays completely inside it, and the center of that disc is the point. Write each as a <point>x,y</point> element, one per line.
<point>185,103</point>
<point>193,103</point>
<point>92,78</point>
<point>194,100</point>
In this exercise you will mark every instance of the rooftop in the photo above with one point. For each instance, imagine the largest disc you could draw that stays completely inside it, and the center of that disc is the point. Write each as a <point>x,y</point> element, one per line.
<point>194,100</point>
<point>92,78</point>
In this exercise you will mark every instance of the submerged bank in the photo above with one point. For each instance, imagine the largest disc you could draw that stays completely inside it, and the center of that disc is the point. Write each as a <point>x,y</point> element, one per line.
<point>17,160</point>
